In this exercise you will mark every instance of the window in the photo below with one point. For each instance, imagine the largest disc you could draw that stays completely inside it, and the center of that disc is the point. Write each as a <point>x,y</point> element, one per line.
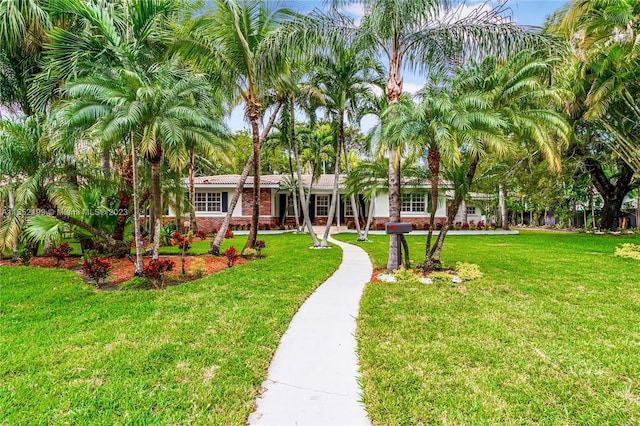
<point>322,205</point>
<point>471,210</point>
<point>348,208</point>
<point>414,203</point>
<point>208,201</point>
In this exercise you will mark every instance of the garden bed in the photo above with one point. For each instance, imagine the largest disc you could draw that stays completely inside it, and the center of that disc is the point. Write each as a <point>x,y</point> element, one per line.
<point>122,270</point>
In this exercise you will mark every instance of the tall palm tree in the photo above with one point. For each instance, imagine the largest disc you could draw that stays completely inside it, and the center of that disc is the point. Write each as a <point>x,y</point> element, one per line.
<point>229,42</point>
<point>345,74</point>
<point>424,34</point>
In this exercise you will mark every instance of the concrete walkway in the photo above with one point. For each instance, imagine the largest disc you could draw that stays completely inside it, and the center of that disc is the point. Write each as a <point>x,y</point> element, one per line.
<point>312,379</point>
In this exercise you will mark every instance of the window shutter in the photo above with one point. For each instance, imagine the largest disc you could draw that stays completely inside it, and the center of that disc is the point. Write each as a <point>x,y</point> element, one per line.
<point>225,202</point>
<point>312,208</point>
<point>283,205</point>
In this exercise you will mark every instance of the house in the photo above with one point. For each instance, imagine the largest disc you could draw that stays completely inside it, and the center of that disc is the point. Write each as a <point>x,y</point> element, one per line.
<point>213,194</point>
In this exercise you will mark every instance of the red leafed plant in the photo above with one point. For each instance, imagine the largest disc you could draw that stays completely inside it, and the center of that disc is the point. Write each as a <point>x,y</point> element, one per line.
<point>97,268</point>
<point>61,252</point>
<point>228,234</point>
<point>155,271</point>
<point>201,234</point>
<point>232,255</point>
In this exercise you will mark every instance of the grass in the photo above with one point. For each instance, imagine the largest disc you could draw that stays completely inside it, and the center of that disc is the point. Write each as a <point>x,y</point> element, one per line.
<point>191,354</point>
<point>550,335</point>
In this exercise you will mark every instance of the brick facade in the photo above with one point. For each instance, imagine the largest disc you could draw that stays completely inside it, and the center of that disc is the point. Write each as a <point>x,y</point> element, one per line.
<point>247,202</point>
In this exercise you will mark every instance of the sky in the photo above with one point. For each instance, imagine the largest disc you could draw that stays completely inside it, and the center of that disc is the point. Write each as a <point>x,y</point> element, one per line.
<point>523,12</point>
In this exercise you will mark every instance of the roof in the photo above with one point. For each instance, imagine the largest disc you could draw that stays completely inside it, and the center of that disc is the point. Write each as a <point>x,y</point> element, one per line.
<point>267,181</point>
<point>324,182</point>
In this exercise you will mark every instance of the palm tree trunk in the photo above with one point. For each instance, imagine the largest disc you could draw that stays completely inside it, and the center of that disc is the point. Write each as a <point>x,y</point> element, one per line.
<point>452,210</point>
<point>352,197</point>
<point>304,204</point>
<point>192,190</point>
<point>254,116</point>
<point>105,160</point>
<point>369,217</point>
<point>139,264</point>
<point>393,92</point>
<point>124,199</point>
<point>336,179</point>
<point>394,208</point>
<point>217,242</point>
<point>465,215</point>
<point>433,162</point>
<point>12,204</point>
<point>502,200</point>
<point>294,195</point>
<point>156,191</point>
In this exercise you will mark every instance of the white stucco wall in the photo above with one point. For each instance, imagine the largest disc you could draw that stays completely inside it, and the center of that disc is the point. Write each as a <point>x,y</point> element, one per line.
<point>381,208</point>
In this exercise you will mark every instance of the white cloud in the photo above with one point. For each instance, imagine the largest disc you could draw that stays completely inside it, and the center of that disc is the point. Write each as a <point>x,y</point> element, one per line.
<point>412,88</point>
<point>355,10</point>
<point>465,10</point>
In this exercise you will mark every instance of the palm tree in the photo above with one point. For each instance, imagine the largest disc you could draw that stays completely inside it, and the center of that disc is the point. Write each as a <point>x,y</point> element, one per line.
<point>23,25</point>
<point>345,74</point>
<point>32,171</point>
<point>229,42</point>
<point>423,34</point>
<point>518,108</point>
<point>439,125</point>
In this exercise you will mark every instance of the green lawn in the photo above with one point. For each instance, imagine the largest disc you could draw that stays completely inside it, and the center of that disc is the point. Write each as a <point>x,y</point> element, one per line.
<point>550,335</point>
<point>191,354</point>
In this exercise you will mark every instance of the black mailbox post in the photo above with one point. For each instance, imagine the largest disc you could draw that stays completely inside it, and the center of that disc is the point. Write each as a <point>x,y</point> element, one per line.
<point>400,228</point>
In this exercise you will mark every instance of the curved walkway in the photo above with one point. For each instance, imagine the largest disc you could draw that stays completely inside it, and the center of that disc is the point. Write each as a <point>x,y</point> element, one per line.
<point>312,379</point>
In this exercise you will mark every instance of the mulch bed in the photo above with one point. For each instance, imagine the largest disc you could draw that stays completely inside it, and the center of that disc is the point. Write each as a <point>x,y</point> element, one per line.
<point>122,269</point>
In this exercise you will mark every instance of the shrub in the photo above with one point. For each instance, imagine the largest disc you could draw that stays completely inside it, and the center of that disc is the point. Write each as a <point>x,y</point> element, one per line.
<point>406,275</point>
<point>441,277</point>
<point>61,252</point>
<point>156,269</point>
<point>472,226</point>
<point>631,251</point>
<point>25,256</point>
<point>198,268</point>
<point>457,226</point>
<point>465,226</point>
<point>249,252</point>
<point>468,271</point>
<point>438,226</point>
<point>96,268</point>
<point>228,234</point>
<point>232,255</point>
<point>183,241</point>
<point>165,234</point>
<point>201,234</point>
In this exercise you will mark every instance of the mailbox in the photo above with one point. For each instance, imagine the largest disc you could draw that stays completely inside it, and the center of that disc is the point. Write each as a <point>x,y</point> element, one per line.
<point>398,228</point>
